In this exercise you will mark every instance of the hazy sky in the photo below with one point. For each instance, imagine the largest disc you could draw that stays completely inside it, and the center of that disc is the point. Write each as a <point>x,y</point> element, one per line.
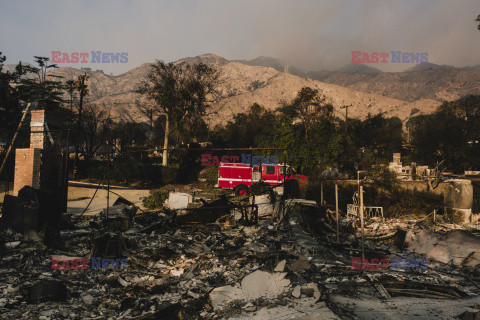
<point>313,34</point>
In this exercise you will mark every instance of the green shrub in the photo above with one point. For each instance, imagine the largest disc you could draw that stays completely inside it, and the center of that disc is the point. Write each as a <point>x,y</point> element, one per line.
<point>155,200</point>
<point>210,174</point>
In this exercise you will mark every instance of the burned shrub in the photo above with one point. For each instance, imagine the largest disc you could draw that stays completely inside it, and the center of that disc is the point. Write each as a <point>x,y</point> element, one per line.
<point>400,201</point>
<point>260,187</point>
<point>394,199</point>
<point>345,192</point>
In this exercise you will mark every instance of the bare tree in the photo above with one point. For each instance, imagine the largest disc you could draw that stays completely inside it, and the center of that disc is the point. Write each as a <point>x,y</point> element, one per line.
<point>97,126</point>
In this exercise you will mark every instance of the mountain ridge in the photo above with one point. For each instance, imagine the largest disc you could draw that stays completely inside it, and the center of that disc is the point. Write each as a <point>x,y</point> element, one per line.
<point>242,84</point>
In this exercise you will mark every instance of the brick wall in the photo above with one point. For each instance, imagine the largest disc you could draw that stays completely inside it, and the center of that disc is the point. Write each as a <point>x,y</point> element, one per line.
<point>27,169</point>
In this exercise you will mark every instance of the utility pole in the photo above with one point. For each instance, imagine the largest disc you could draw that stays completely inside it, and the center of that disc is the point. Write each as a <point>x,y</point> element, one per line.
<point>82,87</point>
<point>152,130</point>
<point>348,148</point>
<point>361,223</point>
<point>346,119</point>
<point>321,194</point>
<point>408,135</point>
<point>165,140</point>
<point>108,178</point>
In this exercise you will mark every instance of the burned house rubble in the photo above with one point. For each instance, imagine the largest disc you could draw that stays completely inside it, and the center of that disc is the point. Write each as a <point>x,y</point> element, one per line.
<point>77,250</point>
<point>262,257</point>
<point>240,160</point>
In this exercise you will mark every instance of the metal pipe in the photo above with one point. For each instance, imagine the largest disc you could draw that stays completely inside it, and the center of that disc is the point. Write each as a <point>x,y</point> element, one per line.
<point>361,223</point>
<point>251,184</point>
<point>336,212</point>
<point>108,178</point>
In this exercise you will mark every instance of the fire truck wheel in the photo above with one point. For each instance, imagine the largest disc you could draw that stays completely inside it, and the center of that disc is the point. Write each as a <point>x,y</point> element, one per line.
<point>241,190</point>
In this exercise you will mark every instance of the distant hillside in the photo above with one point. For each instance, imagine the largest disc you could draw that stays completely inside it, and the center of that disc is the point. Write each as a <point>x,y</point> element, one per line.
<point>278,86</point>
<point>270,62</point>
<point>209,59</point>
<point>116,95</point>
<point>393,94</point>
<point>429,66</point>
<point>8,67</point>
<point>476,67</point>
<point>360,68</point>
<point>11,68</point>
<point>424,81</point>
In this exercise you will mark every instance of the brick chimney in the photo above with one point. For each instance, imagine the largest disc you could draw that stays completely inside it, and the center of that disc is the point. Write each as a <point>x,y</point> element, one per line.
<point>27,161</point>
<point>397,158</point>
<point>37,129</point>
<point>27,169</point>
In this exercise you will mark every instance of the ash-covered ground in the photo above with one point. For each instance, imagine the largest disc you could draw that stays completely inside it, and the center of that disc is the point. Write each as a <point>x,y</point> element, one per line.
<point>207,265</point>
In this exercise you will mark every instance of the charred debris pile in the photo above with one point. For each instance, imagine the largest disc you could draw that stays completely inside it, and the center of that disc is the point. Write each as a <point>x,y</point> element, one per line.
<point>264,257</point>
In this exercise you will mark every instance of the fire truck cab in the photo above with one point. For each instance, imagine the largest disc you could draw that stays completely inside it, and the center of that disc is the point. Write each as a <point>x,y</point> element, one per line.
<point>240,176</point>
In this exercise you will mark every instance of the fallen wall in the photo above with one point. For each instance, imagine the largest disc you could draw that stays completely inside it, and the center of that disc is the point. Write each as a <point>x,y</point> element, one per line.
<point>457,247</point>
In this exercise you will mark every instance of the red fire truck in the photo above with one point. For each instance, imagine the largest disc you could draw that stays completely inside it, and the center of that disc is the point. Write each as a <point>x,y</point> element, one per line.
<point>239,176</point>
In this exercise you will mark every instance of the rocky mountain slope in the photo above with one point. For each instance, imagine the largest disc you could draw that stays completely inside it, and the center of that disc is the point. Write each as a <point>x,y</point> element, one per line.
<point>424,81</point>
<point>270,62</point>
<point>278,86</point>
<point>394,94</point>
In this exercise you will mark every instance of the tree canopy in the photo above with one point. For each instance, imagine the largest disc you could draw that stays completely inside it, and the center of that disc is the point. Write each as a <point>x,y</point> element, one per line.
<point>183,92</point>
<point>452,134</point>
